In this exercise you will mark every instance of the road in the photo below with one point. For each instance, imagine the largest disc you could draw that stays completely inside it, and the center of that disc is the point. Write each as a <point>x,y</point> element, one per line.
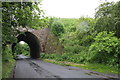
<point>31,68</point>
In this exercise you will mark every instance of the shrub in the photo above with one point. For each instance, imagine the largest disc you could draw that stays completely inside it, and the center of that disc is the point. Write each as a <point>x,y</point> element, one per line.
<point>6,53</point>
<point>105,49</point>
<point>76,58</point>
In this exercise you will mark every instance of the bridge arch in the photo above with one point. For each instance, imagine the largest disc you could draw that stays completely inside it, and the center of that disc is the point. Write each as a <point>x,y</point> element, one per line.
<point>32,41</point>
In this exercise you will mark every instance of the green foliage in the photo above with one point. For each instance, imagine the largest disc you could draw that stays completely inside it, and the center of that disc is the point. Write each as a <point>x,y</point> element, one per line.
<point>7,61</point>
<point>78,34</point>
<point>24,14</point>
<point>6,53</point>
<point>7,67</point>
<point>105,49</point>
<point>89,66</point>
<point>22,49</point>
<point>108,19</point>
<point>76,58</point>
<point>74,49</point>
<point>14,15</point>
<point>84,39</point>
<point>57,28</point>
<point>90,40</point>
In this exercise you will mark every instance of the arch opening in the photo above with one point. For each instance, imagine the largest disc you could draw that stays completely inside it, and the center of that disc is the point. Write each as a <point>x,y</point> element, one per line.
<point>32,41</point>
<point>22,48</point>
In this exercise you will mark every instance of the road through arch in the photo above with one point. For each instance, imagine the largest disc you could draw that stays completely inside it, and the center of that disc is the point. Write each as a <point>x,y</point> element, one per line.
<point>32,41</point>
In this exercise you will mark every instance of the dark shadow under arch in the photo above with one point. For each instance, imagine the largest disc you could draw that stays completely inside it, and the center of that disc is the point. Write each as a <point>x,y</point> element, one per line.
<point>32,41</point>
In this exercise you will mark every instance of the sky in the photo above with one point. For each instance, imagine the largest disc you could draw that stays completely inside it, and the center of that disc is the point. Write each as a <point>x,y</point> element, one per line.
<point>22,42</point>
<point>71,8</point>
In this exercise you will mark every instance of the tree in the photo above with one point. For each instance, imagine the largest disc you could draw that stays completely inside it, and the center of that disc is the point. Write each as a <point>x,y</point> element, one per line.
<point>105,49</point>
<point>56,26</point>
<point>108,17</point>
<point>18,14</point>
<point>14,15</point>
<point>22,49</point>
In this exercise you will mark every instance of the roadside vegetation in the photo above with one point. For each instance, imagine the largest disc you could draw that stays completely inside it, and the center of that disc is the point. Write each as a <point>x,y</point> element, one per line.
<point>22,49</point>
<point>14,15</point>
<point>88,41</point>
<point>7,60</point>
<point>89,66</point>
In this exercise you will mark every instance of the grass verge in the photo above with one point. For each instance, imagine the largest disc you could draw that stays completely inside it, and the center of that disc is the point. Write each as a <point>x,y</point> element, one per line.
<point>94,67</point>
<point>7,67</point>
<point>0,68</point>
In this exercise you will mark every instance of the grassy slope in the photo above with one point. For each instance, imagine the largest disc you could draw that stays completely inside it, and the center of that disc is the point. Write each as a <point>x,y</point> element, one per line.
<point>0,67</point>
<point>94,67</point>
<point>7,68</point>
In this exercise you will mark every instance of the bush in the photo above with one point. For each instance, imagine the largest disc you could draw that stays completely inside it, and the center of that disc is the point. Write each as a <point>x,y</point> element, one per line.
<point>105,49</point>
<point>6,53</point>
<point>86,40</point>
<point>76,58</point>
<point>57,28</point>
<point>22,49</point>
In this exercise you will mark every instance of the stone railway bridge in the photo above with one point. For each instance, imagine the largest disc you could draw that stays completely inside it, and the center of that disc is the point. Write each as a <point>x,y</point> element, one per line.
<point>39,41</point>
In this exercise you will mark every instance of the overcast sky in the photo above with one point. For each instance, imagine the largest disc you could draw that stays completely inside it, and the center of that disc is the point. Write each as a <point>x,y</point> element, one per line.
<point>71,8</point>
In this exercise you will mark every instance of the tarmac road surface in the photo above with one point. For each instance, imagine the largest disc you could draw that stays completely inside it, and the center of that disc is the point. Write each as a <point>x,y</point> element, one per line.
<point>31,68</point>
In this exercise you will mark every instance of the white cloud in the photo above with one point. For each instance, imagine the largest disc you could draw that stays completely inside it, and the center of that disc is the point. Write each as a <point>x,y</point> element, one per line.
<point>70,8</point>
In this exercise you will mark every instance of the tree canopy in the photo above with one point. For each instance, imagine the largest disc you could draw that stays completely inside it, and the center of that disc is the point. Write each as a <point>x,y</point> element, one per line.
<point>16,14</point>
